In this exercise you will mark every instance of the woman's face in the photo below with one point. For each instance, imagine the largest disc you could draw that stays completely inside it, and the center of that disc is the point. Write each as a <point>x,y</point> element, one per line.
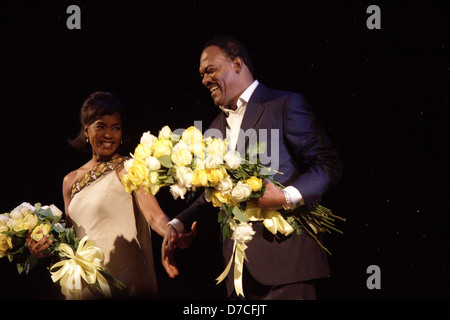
<point>105,135</point>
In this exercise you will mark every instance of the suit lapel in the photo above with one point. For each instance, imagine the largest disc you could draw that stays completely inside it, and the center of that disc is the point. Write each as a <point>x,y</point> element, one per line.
<point>219,123</point>
<point>252,114</point>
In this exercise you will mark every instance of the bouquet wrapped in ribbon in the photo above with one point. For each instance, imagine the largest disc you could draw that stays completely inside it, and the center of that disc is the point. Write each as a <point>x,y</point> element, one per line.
<point>189,161</point>
<point>73,260</point>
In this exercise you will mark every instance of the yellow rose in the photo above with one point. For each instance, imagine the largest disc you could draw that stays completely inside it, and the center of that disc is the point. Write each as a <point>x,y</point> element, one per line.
<point>16,225</point>
<point>151,183</point>
<point>216,146</point>
<point>154,189</point>
<point>142,151</point>
<point>152,178</point>
<point>215,176</point>
<point>198,149</point>
<point>200,178</point>
<point>45,229</point>
<point>192,136</point>
<point>137,173</point>
<point>219,198</point>
<point>4,243</point>
<point>30,221</point>
<point>3,246</point>
<point>162,147</point>
<point>127,184</point>
<point>165,133</point>
<point>255,183</point>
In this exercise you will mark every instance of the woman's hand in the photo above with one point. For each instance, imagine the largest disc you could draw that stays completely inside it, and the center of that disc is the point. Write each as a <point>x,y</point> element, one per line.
<point>37,249</point>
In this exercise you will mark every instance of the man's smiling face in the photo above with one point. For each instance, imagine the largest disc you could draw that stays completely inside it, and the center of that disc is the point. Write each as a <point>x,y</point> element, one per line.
<point>218,75</point>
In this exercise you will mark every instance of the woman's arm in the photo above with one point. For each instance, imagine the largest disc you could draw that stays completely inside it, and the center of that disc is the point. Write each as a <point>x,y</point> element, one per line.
<point>37,249</point>
<point>66,188</point>
<point>150,208</point>
<point>152,212</point>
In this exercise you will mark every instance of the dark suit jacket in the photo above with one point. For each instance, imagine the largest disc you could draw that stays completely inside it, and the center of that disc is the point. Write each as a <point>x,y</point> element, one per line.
<point>308,162</point>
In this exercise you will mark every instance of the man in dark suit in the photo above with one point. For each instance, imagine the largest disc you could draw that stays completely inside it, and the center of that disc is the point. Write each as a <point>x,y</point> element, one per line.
<point>277,266</point>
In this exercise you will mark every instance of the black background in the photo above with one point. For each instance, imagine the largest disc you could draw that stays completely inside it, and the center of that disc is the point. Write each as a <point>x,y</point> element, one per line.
<point>382,95</point>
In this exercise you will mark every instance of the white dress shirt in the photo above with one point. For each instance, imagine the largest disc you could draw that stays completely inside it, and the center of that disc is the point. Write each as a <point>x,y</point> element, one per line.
<point>234,117</point>
<point>234,120</point>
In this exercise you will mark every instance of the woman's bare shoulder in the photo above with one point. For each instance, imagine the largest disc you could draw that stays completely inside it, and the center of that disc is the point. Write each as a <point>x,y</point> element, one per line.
<point>73,176</point>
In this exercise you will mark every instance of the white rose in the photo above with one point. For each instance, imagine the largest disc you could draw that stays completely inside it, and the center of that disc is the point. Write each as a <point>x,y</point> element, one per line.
<point>232,160</point>
<point>4,218</point>
<point>181,154</point>
<point>199,163</point>
<point>165,133</point>
<point>215,146</point>
<point>243,232</point>
<point>241,192</point>
<point>225,185</point>
<point>153,164</point>
<point>20,211</point>
<point>178,190</point>
<point>213,161</point>
<point>147,139</point>
<point>184,176</point>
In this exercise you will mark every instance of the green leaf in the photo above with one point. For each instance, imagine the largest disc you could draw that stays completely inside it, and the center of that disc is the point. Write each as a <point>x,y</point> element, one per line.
<point>239,214</point>
<point>45,212</point>
<point>165,161</point>
<point>20,268</point>
<point>58,228</point>
<point>169,180</point>
<point>226,232</point>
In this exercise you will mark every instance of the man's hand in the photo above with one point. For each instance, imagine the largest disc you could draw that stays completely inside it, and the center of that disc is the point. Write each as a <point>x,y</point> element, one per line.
<point>185,239</point>
<point>273,198</point>
<point>172,240</point>
<point>167,251</point>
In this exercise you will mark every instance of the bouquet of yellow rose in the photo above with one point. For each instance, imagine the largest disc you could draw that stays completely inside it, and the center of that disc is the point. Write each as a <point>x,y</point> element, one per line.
<point>72,259</point>
<point>189,161</point>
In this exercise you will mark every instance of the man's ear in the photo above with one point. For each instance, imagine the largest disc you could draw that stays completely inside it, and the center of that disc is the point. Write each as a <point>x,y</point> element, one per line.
<point>238,63</point>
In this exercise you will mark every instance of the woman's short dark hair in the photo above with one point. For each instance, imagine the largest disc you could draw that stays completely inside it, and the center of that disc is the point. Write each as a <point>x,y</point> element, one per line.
<point>98,104</point>
<point>233,48</point>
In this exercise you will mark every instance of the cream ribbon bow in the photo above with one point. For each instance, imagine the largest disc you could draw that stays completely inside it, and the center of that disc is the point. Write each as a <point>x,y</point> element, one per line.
<point>272,220</point>
<point>242,234</point>
<point>86,264</point>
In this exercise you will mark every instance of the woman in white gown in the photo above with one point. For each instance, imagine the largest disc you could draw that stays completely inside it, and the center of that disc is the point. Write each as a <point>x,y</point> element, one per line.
<point>98,205</point>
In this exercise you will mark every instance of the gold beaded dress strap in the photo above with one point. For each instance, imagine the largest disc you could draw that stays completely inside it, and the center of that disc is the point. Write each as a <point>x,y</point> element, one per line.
<point>95,173</point>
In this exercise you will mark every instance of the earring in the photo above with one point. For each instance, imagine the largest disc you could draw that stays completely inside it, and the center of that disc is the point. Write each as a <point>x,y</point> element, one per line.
<point>87,139</point>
